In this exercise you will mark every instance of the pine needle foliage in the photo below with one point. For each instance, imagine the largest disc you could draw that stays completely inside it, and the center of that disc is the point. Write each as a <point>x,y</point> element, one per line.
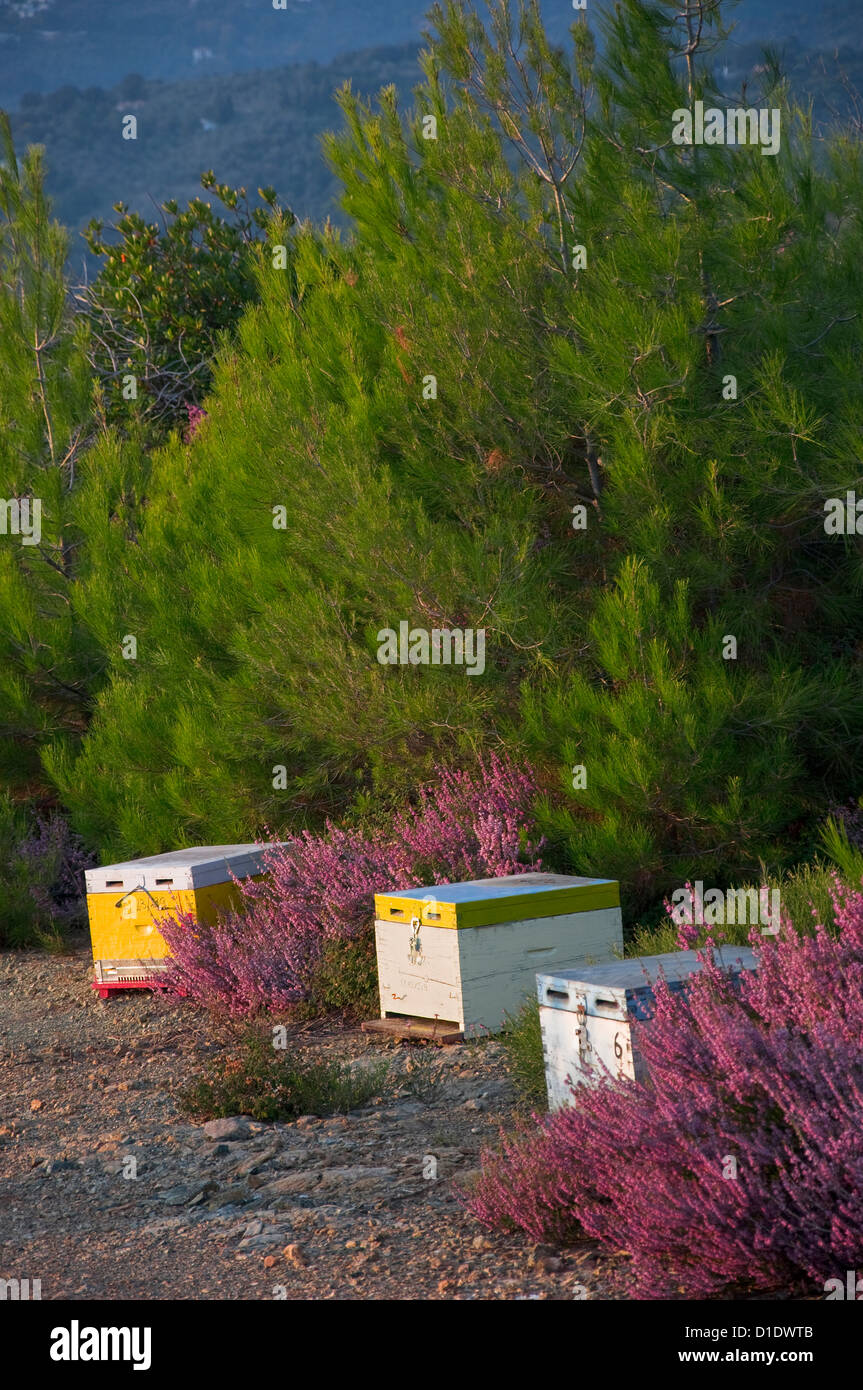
<point>48,663</point>
<point>529,241</point>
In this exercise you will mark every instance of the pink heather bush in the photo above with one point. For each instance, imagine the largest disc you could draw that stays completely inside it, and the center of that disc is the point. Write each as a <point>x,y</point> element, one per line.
<point>321,888</point>
<point>770,1073</point>
<point>197,416</point>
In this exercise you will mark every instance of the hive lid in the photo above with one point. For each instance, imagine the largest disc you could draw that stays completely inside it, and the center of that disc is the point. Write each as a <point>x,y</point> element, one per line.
<point>179,869</point>
<point>611,989</point>
<point>485,902</point>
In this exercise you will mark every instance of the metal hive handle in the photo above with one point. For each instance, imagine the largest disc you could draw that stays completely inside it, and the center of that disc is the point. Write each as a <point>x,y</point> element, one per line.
<point>140,889</point>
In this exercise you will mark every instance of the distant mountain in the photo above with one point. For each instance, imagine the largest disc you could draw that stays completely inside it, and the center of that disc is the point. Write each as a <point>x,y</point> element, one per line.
<point>241,109</point>
<point>824,26</point>
<point>252,128</point>
<point>46,44</point>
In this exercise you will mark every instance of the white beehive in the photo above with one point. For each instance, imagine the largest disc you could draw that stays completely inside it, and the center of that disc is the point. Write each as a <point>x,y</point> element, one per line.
<point>585,1015</point>
<point>468,953</point>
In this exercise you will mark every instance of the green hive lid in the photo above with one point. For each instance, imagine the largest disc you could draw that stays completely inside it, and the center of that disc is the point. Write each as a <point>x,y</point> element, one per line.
<point>484,902</point>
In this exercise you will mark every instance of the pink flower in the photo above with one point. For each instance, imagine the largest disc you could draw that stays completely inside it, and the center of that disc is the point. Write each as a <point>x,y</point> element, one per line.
<point>737,1165</point>
<point>196,417</point>
<point>321,887</point>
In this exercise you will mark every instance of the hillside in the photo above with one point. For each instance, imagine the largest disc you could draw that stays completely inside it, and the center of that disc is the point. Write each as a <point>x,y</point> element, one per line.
<point>252,128</point>
<point>46,44</point>
<point>487,567</point>
<point>264,127</point>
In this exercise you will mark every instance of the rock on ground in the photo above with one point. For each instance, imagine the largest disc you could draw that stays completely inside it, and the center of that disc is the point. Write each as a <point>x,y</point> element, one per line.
<point>108,1192</point>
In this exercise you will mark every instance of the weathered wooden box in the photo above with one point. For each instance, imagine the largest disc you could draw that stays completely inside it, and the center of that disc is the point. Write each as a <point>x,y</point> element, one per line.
<point>585,1015</point>
<point>126,902</point>
<point>468,953</point>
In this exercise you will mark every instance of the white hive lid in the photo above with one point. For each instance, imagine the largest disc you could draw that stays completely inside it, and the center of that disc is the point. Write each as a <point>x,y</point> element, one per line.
<point>179,869</point>
<point>620,979</point>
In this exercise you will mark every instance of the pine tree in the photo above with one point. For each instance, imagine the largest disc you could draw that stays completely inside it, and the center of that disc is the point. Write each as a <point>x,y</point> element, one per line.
<point>47,662</point>
<point>565,381</point>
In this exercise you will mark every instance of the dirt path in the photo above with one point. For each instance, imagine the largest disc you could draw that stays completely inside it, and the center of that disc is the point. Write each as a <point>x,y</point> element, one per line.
<point>324,1209</point>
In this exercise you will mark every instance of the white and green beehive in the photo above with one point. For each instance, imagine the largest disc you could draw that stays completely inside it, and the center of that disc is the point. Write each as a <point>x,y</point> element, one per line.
<point>468,953</point>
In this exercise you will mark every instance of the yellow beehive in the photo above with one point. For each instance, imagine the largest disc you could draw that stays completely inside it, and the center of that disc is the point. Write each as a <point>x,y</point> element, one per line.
<point>126,903</point>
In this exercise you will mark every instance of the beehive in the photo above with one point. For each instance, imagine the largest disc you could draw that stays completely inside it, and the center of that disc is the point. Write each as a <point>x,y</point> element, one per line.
<point>468,953</point>
<point>585,1015</point>
<point>126,902</point>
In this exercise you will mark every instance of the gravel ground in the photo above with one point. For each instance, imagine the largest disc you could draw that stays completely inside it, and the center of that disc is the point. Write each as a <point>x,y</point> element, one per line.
<point>336,1208</point>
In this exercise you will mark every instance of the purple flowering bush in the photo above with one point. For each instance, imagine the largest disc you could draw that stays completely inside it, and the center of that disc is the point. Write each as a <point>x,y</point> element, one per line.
<point>42,865</point>
<point>318,895</point>
<point>737,1166</point>
<point>197,415</point>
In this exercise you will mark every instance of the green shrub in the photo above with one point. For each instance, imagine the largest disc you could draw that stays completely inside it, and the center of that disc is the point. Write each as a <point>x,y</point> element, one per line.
<point>41,878</point>
<point>345,979</point>
<point>422,1073</point>
<point>559,391</point>
<point>165,293</point>
<point>255,1078</point>
<point>48,663</point>
<point>847,857</point>
<point>330,494</point>
<point>523,1042</point>
<point>801,890</point>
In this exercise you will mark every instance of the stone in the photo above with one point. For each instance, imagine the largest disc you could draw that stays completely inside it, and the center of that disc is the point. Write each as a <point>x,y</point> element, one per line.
<point>254,1162</point>
<point>164,1223</point>
<point>231,1127</point>
<point>538,1255</point>
<point>358,1177</point>
<point>371,1062</point>
<point>180,1195</point>
<point>263,1241</point>
<point>291,1182</point>
<point>235,1194</point>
